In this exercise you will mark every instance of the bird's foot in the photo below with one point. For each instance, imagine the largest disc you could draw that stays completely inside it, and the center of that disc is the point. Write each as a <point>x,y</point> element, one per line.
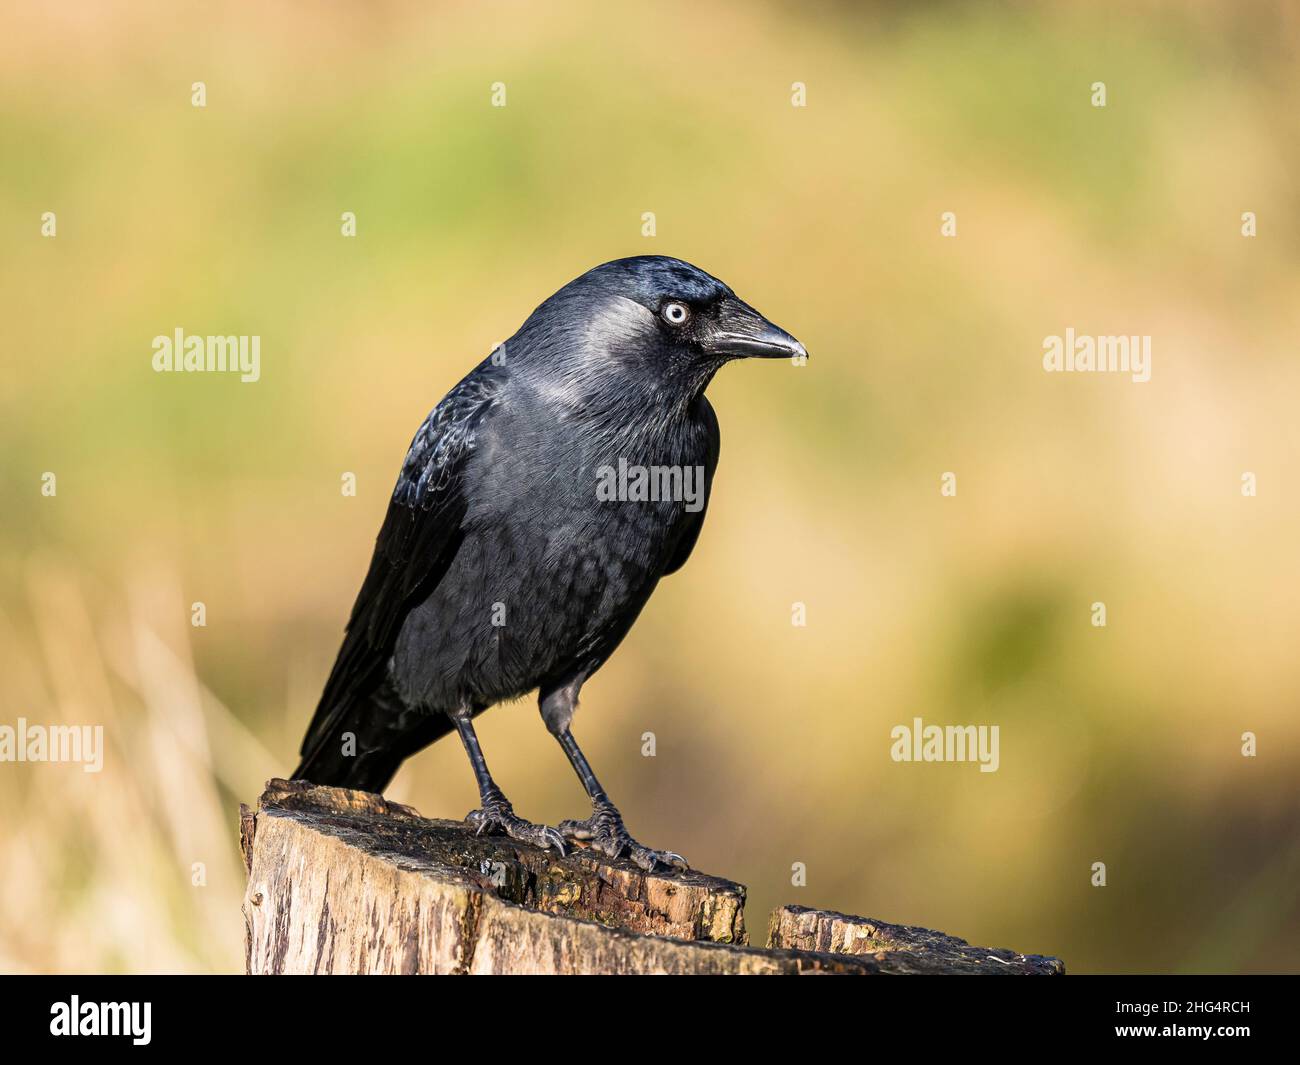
<point>604,830</point>
<point>497,814</point>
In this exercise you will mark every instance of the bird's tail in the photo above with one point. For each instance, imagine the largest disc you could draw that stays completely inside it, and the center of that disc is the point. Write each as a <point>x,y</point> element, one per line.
<point>361,745</point>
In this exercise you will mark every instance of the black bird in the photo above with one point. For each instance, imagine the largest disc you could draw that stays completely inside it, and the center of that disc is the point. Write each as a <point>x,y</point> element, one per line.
<point>508,561</point>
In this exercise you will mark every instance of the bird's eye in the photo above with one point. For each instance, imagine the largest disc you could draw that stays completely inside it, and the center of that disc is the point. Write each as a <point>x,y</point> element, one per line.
<point>676,313</point>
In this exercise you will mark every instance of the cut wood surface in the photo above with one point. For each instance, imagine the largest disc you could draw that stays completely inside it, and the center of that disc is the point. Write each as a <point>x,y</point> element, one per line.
<point>347,882</point>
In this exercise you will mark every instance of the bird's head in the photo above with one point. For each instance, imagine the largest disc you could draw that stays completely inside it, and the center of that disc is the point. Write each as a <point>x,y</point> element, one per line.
<point>660,320</point>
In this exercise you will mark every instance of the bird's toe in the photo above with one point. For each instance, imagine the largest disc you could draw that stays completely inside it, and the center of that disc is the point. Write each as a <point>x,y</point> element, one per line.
<point>650,860</point>
<point>605,833</point>
<point>582,830</point>
<point>500,817</point>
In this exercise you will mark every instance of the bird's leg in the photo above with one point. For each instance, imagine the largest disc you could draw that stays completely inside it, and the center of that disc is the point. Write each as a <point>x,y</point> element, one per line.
<point>604,829</point>
<point>496,811</point>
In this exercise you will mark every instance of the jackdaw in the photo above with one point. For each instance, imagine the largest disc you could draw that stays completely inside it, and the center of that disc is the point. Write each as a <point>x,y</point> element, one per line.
<point>510,559</point>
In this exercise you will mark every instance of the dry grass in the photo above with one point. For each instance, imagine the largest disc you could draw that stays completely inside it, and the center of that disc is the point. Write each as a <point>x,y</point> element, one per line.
<point>103,874</point>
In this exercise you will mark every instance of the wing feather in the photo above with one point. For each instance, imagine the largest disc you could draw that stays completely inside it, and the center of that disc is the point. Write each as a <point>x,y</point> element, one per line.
<point>416,544</point>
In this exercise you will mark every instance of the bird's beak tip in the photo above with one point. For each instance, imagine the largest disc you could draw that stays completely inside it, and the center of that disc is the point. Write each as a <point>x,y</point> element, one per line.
<point>761,340</point>
<point>775,343</point>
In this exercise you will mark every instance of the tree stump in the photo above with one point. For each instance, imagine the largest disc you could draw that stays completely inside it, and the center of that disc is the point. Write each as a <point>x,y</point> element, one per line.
<point>345,881</point>
<point>905,949</point>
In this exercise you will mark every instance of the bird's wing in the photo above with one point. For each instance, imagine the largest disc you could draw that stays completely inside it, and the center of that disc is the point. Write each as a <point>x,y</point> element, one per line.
<point>691,533</point>
<point>419,538</point>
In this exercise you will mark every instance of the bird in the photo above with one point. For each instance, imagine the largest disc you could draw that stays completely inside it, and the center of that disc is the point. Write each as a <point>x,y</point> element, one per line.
<point>512,558</point>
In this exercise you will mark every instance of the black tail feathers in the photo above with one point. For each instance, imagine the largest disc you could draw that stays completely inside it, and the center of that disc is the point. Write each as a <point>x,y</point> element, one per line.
<point>362,745</point>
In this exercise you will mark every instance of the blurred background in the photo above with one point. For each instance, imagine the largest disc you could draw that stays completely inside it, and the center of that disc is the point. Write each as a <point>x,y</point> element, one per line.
<point>1119,744</point>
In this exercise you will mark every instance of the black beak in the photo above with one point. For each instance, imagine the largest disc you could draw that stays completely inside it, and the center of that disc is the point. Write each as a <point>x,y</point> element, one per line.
<point>743,333</point>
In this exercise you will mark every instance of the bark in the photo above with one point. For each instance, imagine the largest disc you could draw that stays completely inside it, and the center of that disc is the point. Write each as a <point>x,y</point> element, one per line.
<point>902,948</point>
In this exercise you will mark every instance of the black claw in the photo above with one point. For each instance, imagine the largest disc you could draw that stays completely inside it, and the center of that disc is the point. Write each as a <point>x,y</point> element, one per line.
<point>501,815</point>
<point>607,835</point>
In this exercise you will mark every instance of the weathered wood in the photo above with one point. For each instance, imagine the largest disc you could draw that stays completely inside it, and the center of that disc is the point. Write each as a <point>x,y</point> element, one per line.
<point>346,881</point>
<point>904,949</point>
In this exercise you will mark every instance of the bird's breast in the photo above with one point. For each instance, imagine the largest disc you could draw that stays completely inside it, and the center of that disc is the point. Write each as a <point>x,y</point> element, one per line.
<point>568,529</point>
